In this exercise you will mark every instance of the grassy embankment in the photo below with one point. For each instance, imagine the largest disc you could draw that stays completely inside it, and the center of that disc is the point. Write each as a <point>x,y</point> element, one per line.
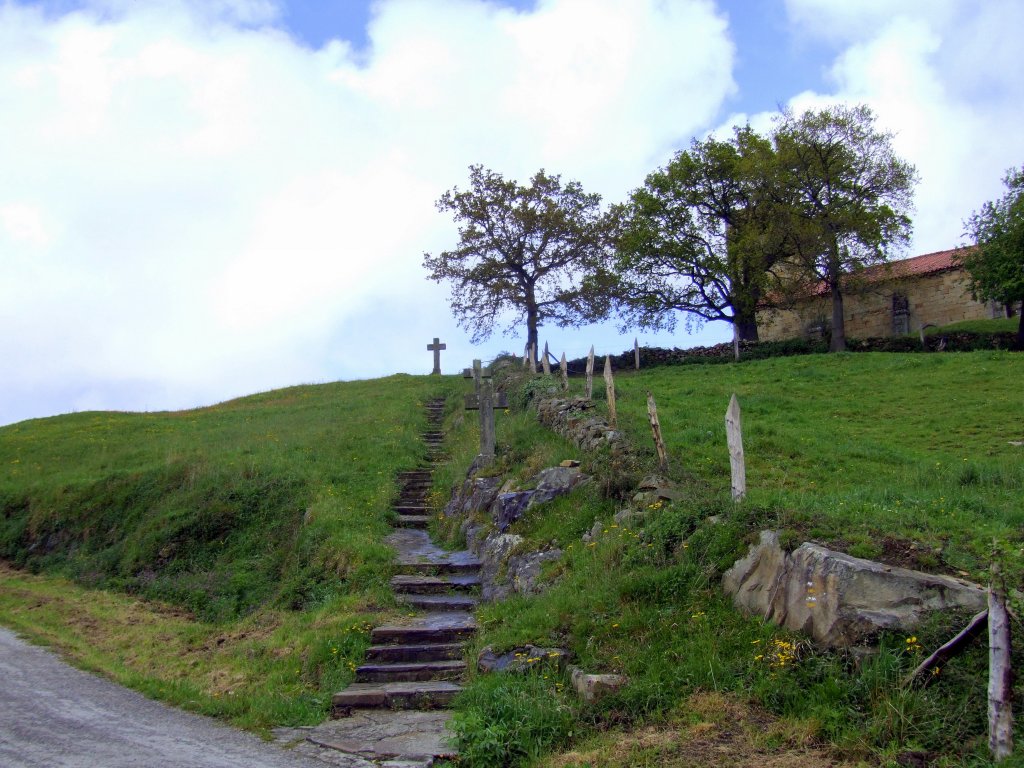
<point>906,458</point>
<point>226,559</point>
<point>898,456</point>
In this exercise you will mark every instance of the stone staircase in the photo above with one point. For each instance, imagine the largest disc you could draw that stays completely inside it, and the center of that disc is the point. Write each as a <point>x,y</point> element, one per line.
<point>417,663</point>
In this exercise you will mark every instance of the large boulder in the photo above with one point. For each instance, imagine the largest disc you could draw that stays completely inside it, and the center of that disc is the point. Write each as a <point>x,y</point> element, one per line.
<point>837,599</point>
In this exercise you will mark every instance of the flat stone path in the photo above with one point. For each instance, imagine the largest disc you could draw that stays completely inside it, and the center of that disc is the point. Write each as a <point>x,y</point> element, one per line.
<point>388,717</point>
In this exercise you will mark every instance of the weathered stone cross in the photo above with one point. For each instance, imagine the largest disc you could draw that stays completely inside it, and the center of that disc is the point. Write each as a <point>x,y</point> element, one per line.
<point>436,348</point>
<point>484,401</point>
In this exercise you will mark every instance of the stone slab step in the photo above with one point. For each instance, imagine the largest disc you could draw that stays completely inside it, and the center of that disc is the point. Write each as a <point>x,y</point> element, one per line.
<point>410,509</point>
<point>446,627</point>
<point>467,567</point>
<point>439,602</point>
<point>421,695</point>
<point>418,652</point>
<point>415,671</point>
<point>434,585</point>
<point>413,521</point>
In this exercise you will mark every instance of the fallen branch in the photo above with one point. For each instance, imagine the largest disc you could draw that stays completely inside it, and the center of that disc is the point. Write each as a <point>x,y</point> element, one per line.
<point>974,628</point>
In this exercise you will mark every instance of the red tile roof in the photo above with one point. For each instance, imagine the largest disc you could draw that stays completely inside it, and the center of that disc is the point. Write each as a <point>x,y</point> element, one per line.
<point>916,266</point>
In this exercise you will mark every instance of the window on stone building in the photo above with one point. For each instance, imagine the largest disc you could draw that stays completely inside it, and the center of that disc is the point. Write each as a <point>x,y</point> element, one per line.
<point>900,314</point>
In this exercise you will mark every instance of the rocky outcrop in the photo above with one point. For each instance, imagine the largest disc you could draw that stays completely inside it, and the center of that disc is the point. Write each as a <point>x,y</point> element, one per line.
<point>522,659</point>
<point>488,507</point>
<point>837,599</point>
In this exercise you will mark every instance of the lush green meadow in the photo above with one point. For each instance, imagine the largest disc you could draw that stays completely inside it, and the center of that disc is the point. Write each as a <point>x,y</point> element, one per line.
<point>253,530</point>
<point>231,559</point>
<point>903,457</point>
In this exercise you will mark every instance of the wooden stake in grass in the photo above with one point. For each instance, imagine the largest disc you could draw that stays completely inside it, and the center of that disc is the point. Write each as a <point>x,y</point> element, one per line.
<point>564,367</point>
<point>609,389</point>
<point>545,363</point>
<point>533,358</point>
<point>636,353</point>
<point>659,443</point>
<point>526,356</point>
<point>590,373</point>
<point>1000,691</point>
<point>734,434</point>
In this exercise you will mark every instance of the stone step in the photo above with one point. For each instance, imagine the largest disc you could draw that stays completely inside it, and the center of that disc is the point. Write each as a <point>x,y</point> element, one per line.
<point>410,509</point>
<point>468,567</point>
<point>417,652</point>
<point>423,695</point>
<point>434,585</point>
<point>413,521</point>
<point>416,475</point>
<point>408,672</point>
<point>433,628</point>
<point>439,602</point>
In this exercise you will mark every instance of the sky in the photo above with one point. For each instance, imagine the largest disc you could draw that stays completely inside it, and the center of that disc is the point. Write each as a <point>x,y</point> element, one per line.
<point>202,199</point>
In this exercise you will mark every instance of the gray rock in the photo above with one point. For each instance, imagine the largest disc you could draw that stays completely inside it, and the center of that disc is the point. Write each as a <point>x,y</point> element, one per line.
<point>837,599</point>
<point>525,570</point>
<point>482,493</point>
<point>522,659</point>
<point>509,507</point>
<point>553,482</point>
<point>593,687</point>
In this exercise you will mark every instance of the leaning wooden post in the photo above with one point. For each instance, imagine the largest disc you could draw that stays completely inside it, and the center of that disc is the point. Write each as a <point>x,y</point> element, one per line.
<point>659,442</point>
<point>609,389</point>
<point>734,435</point>
<point>533,358</point>
<point>1000,691</point>
<point>564,367</point>
<point>545,363</point>
<point>636,353</point>
<point>590,373</point>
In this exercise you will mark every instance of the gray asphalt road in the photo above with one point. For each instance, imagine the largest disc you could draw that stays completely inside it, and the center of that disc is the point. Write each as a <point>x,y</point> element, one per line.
<point>54,715</point>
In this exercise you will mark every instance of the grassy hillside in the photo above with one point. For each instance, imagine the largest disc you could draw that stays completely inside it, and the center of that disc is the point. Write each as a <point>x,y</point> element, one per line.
<point>256,526</point>
<point>907,458</point>
<point>253,532</point>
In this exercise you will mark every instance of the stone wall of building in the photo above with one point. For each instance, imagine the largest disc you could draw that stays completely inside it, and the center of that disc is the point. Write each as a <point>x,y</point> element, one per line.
<point>938,298</point>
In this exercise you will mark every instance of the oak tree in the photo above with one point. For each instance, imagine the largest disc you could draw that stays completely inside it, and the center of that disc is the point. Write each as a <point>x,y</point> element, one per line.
<point>699,238</point>
<point>522,254</point>
<point>846,197</point>
<point>996,262</point>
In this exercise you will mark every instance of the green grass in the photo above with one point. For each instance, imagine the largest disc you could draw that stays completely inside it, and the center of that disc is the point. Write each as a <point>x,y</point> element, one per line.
<point>872,453</point>
<point>864,452</point>
<point>260,520</point>
<point>230,559</point>
<point>995,325</point>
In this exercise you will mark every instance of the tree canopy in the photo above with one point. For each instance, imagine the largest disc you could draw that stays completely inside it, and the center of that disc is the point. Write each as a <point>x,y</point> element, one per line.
<point>846,197</point>
<point>522,253</point>
<point>699,237</point>
<point>996,263</point>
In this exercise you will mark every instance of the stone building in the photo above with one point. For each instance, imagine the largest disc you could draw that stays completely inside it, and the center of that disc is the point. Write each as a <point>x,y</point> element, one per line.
<point>893,299</point>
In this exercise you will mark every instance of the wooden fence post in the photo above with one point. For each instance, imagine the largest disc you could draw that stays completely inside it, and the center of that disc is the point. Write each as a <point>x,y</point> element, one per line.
<point>659,443</point>
<point>590,373</point>
<point>564,367</point>
<point>533,358</point>
<point>545,363</point>
<point>1000,691</point>
<point>609,389</point>
<point>636,353</point>
<point>734,435</point>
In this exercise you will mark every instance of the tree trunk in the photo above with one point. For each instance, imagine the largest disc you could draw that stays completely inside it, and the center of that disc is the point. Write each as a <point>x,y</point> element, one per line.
<point>531,328</point>
<point>746,329</point>
<point>838,320</point>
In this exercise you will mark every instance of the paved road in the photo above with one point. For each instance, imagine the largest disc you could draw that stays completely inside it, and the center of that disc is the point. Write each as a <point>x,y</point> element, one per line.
<point>54,715</point>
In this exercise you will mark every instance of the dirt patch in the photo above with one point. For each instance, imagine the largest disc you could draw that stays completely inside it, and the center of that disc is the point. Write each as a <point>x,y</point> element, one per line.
<point>904,553</point>
<point>711,729</point>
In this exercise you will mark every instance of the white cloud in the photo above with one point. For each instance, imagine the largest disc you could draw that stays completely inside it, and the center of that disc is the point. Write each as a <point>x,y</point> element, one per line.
<point>194,206</point>
<point>944,76</point>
